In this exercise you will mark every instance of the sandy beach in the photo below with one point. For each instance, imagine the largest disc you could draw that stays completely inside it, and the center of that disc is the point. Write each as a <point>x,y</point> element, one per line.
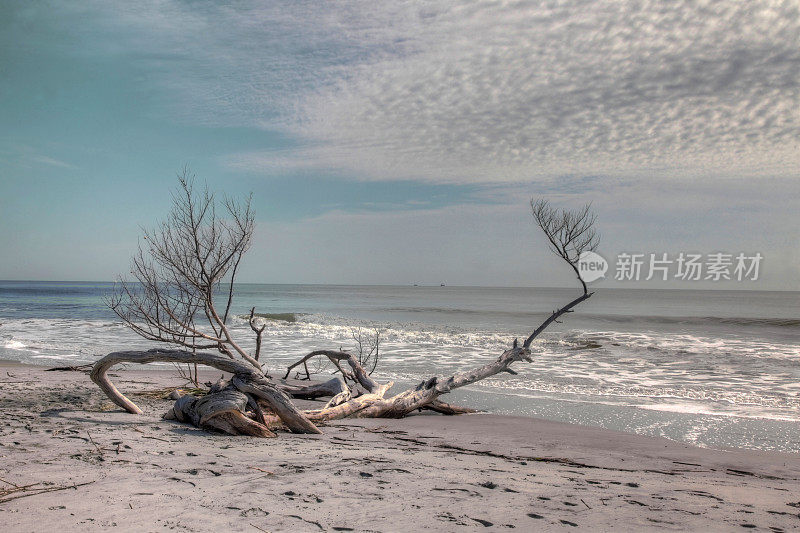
<point>574,222</point>
<point>427,472</point>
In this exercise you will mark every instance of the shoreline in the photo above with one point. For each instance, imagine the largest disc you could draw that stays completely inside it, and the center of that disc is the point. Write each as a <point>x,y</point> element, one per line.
<point>426,472</point>
<point>621,364</point>
<point>573,412</point>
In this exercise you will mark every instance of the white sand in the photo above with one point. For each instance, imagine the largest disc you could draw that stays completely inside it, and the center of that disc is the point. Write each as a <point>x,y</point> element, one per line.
<point>478,472</point>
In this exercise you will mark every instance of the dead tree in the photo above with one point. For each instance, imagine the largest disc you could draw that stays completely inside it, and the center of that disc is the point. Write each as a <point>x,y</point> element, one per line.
<point>249,403</point>
<point>184,266</point>
<point>184,273</point>
<point>570,233</point>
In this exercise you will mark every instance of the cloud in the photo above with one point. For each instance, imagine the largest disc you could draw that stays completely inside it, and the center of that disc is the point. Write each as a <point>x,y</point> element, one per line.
<point>518,91</point>
<point>45,160</point>
<point>482,91</point>
<point>24,156</point>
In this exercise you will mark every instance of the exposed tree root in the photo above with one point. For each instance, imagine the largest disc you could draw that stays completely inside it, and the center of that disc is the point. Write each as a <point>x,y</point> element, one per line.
<point>247,385</point>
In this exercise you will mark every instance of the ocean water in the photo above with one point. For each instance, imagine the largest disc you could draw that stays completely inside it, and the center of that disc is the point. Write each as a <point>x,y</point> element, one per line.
<point>718,369</point>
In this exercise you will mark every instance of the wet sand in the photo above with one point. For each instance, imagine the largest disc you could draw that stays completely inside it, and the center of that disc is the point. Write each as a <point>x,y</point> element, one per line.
<point>429,472</point>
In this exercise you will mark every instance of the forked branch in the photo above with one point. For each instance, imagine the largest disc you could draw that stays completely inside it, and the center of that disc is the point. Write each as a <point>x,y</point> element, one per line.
<point>258,330</point>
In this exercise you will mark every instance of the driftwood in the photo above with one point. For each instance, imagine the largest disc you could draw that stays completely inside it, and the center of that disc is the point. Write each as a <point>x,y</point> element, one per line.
<point>194,253</point>
<point>71,368</point>
<point>225,408</point>
<point>246,379</point>
<point>258,330</point>
<point>441,407</point>
<point>358,373</point>
<point>332,387</point>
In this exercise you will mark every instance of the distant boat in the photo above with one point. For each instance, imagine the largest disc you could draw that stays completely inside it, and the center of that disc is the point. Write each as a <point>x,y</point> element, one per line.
<point>442,285</point>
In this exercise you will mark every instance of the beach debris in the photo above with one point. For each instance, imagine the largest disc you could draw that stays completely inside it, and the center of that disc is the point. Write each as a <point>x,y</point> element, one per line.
<point>32,489</point>
<point>176,394</point>
<point>484,523</point>
<point>98,448</point>
<point>182,295</point>
<point>73,368</point>
<point>267,472</point>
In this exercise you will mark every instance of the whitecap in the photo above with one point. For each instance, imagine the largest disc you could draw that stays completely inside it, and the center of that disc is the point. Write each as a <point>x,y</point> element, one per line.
<point>14,345</point>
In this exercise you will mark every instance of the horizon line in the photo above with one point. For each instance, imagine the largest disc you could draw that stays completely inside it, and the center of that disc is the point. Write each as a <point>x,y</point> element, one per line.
<point>412,285</point>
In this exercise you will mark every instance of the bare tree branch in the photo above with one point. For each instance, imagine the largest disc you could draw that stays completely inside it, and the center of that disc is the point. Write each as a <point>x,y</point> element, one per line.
<point>570,233</point>
<point>259,331</point>
<point>180,267</point>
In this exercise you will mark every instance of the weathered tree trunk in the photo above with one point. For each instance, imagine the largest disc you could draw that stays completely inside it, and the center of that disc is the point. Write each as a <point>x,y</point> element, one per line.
<point>448,409</point>
<point>222,411</point>
<point>225,407</point>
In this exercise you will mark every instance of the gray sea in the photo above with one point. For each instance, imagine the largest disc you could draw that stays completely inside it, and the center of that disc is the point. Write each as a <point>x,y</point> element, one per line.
<point>718,369</point>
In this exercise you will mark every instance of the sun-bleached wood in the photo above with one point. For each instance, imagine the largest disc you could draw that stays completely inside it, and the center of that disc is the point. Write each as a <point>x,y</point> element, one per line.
<point>235,406</point>
<point>246,379</point>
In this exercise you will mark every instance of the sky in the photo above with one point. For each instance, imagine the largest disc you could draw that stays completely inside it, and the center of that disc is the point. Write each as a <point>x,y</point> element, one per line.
<point>401,142</point>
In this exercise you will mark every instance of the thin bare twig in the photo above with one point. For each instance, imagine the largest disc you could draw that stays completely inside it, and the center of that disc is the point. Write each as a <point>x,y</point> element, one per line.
<point>34,492</point>
<point>99,450</point>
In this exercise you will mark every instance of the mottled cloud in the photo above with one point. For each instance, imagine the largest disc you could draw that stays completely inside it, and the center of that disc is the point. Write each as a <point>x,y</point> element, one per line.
<point>522,91</point>
<point>482,91</point>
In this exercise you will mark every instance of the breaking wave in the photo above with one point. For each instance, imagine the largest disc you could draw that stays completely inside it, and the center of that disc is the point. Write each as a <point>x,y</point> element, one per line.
<point>747,377</point>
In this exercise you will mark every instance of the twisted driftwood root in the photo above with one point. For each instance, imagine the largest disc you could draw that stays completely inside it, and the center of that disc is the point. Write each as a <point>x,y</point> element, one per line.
<point>332,387</point>
<point>224,409</point>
